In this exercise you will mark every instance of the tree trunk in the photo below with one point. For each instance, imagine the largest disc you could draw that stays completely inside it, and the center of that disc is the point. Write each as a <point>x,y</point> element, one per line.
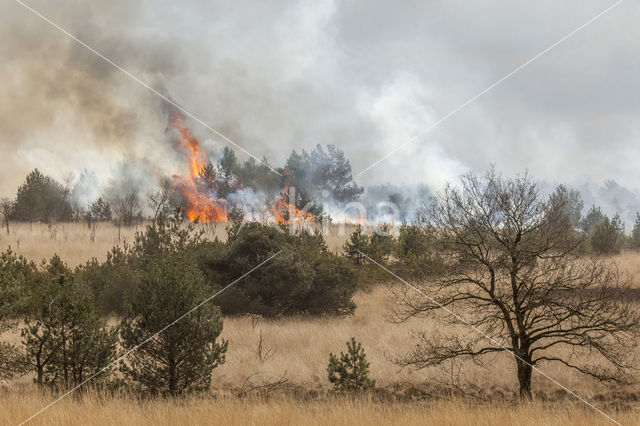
<point>172,375</point>
<point>524,379</point>
<point>39,366</point>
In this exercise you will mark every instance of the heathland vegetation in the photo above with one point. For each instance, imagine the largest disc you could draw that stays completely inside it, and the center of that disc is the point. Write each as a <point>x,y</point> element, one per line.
<point>536,279</point>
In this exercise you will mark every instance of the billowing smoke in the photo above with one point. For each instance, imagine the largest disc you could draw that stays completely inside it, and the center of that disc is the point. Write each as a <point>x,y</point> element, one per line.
<point>276,76</point>
<point>397,203</point>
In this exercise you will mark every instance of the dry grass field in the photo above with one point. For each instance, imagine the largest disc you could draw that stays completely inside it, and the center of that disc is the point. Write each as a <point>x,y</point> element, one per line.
<point>75,243</point>
<point>288,357</point>
<point>93,410</point>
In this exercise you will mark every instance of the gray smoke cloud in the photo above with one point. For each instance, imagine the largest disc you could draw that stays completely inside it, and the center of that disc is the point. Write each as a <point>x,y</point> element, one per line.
<point>281,75</point>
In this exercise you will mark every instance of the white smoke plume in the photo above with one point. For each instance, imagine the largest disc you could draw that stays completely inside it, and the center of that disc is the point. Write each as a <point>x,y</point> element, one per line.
<point>276,76</point>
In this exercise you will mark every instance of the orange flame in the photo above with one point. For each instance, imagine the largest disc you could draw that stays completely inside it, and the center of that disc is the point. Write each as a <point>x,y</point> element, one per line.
<point>286,211</point>
<point>295,215</point>
<point>203,206</point>
<point>202,202</point>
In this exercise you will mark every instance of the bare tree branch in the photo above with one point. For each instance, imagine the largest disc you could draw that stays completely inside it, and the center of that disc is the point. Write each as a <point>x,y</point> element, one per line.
<point>511,264</point>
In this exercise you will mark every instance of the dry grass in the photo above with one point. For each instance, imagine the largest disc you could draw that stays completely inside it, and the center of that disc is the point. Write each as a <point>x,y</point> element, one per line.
<point>71,241</point>
<point>297,349</point>
<point>262,352</point>
<point>300,350</point>
<point>75,243</point>
<point>93,410</point>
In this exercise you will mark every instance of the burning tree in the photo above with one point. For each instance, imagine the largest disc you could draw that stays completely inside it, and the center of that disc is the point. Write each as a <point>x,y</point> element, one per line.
<point>513,274</point>
<point>323,170</point>
<point>208,185</point>
<point>286,207</point>
<point>199,188</point>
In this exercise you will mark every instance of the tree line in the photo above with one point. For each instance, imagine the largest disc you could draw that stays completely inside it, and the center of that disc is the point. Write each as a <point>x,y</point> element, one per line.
<point>43,199</point>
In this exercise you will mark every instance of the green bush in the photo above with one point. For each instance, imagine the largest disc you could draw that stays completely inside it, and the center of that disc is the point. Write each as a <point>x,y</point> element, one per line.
<point>305,278</point>
<point>415,253</point>
<point>18,277</point>
<point>364,251</point>
<point>357,244</point>
<point>110,280</point>
<point>15,275</point>
<point>378,246</point>
<point>65,339</point>
<point>607,236</point>
<point>350,372</point>
<point>570,203</point>
<point>182,356</point>
<point>381,244</point>
<point>41,199</point>
<point>634,239</point>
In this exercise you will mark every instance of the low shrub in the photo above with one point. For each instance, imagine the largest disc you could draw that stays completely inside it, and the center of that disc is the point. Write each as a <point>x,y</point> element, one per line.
<point>350,371</point>
<point>305,278</point>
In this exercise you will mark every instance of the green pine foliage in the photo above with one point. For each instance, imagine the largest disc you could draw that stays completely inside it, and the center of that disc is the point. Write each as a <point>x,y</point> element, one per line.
<point>182,356</point>
<point>64,337</point>
<point>364,251</point>
<point>381,244</point>
<point>357,244</point>
<point>350,371</point>
<point>378,246</point>
<point>41,199</point>
<point>306,278</point>
<point>607,235</point>
<point>15,274</point>
<point>415,252</point>
<point>634,240</point>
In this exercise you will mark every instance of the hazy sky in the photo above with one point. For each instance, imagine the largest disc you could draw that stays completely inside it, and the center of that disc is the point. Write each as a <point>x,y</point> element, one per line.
<point>365,75</point>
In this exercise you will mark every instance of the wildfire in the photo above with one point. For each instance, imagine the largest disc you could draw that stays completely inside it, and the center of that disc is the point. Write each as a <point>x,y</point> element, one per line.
<point>199,188</point>
<point>201,205</point>
<point>286,212</point>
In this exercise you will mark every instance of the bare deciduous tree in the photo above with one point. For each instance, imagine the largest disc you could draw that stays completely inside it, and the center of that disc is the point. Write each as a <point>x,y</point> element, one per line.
<point>128,209</point>
<point>163,202</point>
<point>511,271</point>
<point>6,207</point>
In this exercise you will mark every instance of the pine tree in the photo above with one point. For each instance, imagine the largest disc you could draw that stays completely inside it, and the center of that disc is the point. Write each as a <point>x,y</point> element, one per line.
<point>635,234</point>
<point>15,274</point>
<point>358,243</point>
<point>571,202</point>
<point>41,198</point>
<point>66,341</point>
<point>593,218</point>
<point>350,372</point>
<point>181,357</point>
<point>381,244</point>
<point>100,210</point>
<point>607,236</point>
